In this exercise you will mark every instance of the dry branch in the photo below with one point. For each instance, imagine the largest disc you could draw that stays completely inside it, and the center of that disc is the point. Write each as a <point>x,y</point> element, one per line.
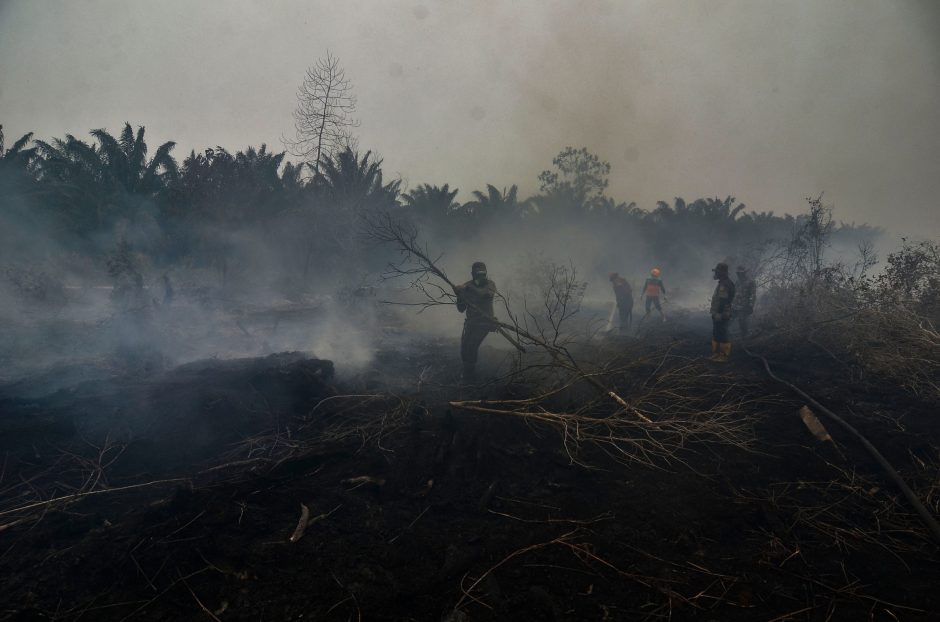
<point>685,404</point>
<point>81,495</point>
<point>417,265</point>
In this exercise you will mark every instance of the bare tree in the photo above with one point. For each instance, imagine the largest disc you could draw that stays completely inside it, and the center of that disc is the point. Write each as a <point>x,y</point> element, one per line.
<point>323,120</point>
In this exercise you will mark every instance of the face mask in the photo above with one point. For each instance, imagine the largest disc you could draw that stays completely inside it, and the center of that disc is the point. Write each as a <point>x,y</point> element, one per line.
<point>479,278</point>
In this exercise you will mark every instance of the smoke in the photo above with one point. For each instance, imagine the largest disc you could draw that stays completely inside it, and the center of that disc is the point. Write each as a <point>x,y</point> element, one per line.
<point>765,101</point>
<point>769,102</point>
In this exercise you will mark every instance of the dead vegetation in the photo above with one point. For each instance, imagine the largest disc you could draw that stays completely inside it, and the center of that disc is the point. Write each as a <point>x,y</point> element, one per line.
<point>363,496</point>
<point>877,326</point>
<point>589,479</point>
<point>671,407</point>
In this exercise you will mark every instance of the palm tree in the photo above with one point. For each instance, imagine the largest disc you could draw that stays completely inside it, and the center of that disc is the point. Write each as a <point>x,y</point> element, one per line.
<point>494,203</point>
<point>292,179</point>
<point>346,189</point>
<point>715,210</point>
<point>218,192</point>
<point>16,167</point>
<point>430,203</point>
<point>16,156</point>
<point>112,165</point>
<point>125,161</point>
<point>19,217</point>
<point>608,207</point>
<point>97,183</point>
<point>353,181</point>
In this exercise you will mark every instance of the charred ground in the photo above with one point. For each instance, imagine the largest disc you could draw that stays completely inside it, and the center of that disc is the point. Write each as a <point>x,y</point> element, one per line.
<point>419,511</point>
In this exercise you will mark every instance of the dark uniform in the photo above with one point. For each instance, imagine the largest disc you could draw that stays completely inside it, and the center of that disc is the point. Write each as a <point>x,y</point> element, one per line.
<point>475,298</point>
<point>744,300</point>
<point>624,295</point>
<point>721,310</point>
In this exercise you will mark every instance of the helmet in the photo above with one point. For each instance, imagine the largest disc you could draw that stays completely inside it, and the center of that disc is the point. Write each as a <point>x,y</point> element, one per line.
<point>721,268</point>
<point>742,270</point>
<point>478,268</point>
<point>655,272</point>
<point>613,275</point>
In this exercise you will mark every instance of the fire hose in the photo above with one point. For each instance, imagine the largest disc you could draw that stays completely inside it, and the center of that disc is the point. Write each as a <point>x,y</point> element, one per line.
<point>928,519</point>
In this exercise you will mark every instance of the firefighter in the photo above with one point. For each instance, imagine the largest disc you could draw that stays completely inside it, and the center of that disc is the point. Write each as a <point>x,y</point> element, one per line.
<point>721,310</point>
<point>624,295</point>
<point>653,289</point>
<point>475,298</point>
<point>744,300</point>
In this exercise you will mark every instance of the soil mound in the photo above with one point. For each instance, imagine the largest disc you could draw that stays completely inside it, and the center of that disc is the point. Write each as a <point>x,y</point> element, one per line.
<point>176,420</point>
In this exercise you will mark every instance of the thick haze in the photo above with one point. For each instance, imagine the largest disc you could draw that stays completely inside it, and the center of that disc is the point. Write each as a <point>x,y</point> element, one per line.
<point>768,101</point>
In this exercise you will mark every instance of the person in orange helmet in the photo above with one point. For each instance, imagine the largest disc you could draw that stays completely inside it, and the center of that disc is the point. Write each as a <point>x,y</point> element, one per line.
<point>653,290</point>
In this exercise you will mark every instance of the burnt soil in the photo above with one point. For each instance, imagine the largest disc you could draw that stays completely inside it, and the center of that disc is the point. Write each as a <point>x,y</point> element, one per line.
<point>435,514</point>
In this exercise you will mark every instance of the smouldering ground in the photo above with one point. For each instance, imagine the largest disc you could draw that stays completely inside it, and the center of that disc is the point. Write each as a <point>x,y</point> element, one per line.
<point>420,511</point>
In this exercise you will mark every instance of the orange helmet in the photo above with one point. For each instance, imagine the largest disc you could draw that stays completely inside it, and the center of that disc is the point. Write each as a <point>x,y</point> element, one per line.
<point>655,272</point>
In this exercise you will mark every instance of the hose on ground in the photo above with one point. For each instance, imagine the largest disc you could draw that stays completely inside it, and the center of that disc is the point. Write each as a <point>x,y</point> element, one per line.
<point>920,508</point>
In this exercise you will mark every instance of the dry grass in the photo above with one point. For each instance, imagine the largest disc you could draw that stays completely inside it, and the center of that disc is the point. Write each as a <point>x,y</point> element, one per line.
<point>670,405</point>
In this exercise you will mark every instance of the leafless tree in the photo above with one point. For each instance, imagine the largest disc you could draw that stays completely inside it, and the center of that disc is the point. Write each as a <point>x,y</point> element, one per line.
<point>323,120</point>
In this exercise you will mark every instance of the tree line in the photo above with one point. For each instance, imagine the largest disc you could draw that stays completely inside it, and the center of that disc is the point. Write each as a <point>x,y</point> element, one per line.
<point>218,210</point>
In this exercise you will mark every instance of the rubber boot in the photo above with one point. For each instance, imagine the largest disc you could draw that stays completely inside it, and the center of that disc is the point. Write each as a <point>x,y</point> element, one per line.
<point>724,350</point>
<point>715,351</point>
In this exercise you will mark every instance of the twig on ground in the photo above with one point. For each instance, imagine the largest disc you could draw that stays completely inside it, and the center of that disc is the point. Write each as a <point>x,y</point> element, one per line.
<point>81,495</point>
<point>301,524</point>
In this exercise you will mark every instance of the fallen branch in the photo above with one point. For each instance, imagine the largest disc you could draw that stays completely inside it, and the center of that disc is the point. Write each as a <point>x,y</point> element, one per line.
<point>11,524</point>
<point>81,495</point>
<point>389,231</point>
<point>410,525</point>
<point>199,602</point>
<point>305,521</point>
<point>301,524</point>
<point>467,591</point>
<point>320,517</point>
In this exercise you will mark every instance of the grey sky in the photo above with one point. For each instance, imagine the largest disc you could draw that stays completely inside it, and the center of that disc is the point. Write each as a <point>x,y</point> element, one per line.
<point>768,101</point>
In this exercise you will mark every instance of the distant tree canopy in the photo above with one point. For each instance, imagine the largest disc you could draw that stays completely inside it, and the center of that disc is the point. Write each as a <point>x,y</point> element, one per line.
<point>577,182</point>
<point>105,194</point>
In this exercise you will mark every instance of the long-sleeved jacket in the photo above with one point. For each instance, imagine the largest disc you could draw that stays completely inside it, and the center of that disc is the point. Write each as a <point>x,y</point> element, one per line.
<point>477,301</point>
<point>622,291</point>
<point>723,299</point>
